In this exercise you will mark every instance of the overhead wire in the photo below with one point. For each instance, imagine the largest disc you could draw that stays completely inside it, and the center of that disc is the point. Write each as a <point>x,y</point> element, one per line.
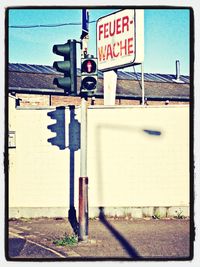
<point>47,25</point>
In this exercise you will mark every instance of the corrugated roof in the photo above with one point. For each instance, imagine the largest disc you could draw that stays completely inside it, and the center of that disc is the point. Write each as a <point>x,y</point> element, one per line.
<point>122,75</point>
<point>29,68</point>
<point>36,78</point>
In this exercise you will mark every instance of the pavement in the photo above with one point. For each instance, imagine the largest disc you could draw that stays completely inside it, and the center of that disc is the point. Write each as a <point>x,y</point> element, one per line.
<point>108,239</point>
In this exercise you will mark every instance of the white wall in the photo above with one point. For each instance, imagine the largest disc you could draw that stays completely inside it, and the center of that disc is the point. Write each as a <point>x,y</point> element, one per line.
<point>40,175</point>
<point>127,166</point>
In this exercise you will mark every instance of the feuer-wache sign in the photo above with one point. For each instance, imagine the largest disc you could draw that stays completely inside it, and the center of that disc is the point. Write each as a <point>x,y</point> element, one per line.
<point>120,39</point>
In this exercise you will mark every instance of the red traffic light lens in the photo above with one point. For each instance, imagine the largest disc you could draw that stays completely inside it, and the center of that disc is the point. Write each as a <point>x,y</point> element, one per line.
<point>89,66</point>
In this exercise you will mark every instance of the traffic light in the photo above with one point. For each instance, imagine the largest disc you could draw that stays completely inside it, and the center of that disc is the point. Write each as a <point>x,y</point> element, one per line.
<point>89,75</point>
<point>67,66</point>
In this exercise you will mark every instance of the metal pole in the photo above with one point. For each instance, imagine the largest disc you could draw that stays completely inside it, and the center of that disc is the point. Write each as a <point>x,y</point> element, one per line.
<point>83,163</point>
<point>142,72</point>
<point>83,179</point>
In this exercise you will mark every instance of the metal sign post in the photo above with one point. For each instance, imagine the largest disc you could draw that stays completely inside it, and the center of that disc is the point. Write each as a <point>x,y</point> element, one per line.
<point>142,74</point>
<point>83,179</point>
<point>110,85</point>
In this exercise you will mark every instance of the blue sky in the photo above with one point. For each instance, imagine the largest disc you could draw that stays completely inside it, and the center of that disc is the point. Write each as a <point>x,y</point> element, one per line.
<point>166,36</point>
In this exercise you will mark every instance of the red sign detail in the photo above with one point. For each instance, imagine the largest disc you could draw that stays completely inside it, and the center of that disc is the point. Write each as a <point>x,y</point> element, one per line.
<point>115,27</point>
<point>121,48</point>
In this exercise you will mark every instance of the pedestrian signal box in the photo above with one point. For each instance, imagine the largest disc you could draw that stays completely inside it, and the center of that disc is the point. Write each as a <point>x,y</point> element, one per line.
<point>89,75</point>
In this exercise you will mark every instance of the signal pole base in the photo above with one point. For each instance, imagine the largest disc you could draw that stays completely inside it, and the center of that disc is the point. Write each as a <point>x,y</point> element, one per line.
<point>83,209</point>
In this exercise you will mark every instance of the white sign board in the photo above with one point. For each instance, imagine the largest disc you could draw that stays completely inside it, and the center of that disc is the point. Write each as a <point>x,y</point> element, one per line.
<point>120,39</point>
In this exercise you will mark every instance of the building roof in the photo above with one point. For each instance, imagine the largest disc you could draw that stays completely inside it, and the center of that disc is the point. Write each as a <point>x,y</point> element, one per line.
<point>39,78</point>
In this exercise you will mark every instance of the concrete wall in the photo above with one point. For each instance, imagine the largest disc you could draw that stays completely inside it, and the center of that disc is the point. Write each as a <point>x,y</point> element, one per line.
<point>138,157</point>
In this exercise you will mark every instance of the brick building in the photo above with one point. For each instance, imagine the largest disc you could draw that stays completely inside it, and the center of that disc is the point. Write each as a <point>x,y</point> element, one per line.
<point>32,85</point>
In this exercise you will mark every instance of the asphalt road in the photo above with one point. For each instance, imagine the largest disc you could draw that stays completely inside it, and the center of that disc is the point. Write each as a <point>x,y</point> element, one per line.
<point>19,247</point>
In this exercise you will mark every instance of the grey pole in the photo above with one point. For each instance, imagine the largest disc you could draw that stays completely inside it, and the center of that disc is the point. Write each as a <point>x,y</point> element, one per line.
<point>83,163</point>
<point>83,179</point>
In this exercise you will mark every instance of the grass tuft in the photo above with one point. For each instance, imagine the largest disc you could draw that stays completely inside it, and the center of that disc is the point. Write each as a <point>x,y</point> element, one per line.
<point>67,240</point>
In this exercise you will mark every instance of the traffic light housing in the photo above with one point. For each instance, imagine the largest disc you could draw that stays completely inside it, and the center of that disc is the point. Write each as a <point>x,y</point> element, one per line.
<point>89,74</point>
<point>67,67</point>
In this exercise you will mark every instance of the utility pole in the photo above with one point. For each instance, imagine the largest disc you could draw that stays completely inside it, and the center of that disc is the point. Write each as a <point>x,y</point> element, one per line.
<point>83,179</point>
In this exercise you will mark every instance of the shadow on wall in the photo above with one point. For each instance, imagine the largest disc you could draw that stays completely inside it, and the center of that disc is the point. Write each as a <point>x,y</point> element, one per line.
<point>151,132</point>
<point>58,127</point>
<point>74,144</point>
<point>118,236</point>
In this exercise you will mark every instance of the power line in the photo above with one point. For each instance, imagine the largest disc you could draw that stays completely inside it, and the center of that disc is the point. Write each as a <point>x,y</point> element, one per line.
<point>47,25</point>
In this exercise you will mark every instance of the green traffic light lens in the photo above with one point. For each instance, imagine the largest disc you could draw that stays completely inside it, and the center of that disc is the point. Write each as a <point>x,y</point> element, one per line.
<point>62,50</point>
<point>64,83</point>
<point>62,66</point>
